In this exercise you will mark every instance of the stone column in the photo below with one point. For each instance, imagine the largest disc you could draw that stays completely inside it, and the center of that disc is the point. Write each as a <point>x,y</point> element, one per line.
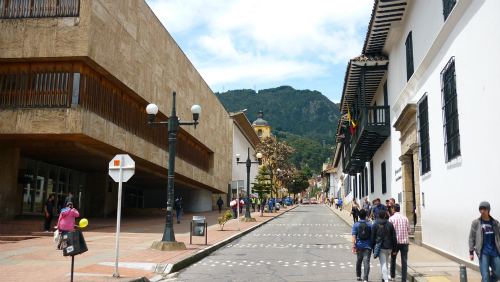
<point>11,195</point>
<point>407,199</point>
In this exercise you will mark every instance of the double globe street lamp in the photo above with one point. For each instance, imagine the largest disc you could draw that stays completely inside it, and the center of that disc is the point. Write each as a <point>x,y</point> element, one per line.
<point>249,163</point>
<point>168,240</point>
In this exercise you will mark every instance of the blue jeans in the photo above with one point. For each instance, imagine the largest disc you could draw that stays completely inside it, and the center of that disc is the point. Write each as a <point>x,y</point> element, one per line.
<point>485,262</point>
<point>178,214</point>
<point>363,257</point>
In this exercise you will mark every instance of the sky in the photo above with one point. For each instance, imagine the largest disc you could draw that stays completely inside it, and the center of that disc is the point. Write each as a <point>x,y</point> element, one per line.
<point>259,44</point>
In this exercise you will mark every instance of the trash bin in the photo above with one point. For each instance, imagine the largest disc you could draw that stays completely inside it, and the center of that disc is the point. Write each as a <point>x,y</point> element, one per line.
<point>199,225</point>
<point>75,243</point>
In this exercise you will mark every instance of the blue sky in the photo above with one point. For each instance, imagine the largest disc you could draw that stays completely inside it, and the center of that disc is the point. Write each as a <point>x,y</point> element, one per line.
<point>260,44</point>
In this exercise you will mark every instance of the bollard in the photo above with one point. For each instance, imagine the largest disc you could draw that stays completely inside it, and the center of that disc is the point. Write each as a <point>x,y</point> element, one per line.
<point>463,273</point>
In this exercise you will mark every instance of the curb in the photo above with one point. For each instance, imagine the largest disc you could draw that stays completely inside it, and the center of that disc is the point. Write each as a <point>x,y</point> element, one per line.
<point>412,277</point>
<point>175,267</point>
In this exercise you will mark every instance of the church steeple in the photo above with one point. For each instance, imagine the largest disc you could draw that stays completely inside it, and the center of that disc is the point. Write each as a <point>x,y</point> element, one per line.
<point>261,126</point>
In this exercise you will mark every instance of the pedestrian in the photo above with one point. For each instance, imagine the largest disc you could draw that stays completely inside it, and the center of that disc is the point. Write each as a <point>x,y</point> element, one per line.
<point>402,228</point>
<point>376,208</point>
<point>383,242</point>
<point>48,210</point>
<point>68,198</point>
<point>178,208</point>
<point>270,205</point>
<point>484,240</point>
<point>66,222</point>
<point>241,204</point>
<point>259,203</point>
<point>367,207</point>
<point>340,204</point>
<point>336,201</point>
<point>234,205</point>
<point>355,211</point>
<point>361,245</point>
<point>253,203</point>
<point>220,202</point>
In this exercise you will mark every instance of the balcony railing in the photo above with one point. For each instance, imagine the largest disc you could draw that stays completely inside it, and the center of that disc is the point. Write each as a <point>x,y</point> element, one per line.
<point>15,9</point>
<point>372,129</point>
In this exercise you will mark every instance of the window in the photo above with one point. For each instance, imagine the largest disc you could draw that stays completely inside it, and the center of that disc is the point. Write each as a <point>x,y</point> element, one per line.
<point>423,135</point>
<point>384,180</point>
<point>259,133</point>
<point>372,182</point>
<point>450,111</point>
<point>409,56</point>
<point>447,7</point>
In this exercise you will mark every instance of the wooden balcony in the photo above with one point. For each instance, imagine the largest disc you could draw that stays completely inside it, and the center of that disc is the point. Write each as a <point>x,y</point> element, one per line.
<point>372,130</point>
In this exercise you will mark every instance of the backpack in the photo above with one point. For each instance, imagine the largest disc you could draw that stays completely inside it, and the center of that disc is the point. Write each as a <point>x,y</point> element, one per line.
<point>381,231</point>
<point>364,231</point>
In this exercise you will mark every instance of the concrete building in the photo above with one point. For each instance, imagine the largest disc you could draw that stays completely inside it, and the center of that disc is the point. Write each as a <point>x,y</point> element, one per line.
<point>75,78</point>
<point>424,98</point>
<point>244,137</point>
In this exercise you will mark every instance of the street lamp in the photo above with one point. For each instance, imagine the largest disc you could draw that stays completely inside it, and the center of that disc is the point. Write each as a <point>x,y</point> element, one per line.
<point>168,240</point>
<point>249,163</point>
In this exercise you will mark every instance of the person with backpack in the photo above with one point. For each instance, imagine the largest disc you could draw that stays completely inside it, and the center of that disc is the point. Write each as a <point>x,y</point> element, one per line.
<point>383,242</point>
<point>402,228</point>
<point>484,240</point>
<point>361,245</point>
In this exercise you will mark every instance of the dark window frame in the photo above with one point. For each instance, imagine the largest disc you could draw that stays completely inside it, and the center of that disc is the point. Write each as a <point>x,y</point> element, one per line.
<point>451,126</point>
<point>448,6</point>
<point>383,171</point>
<point>410,67</point>
<point>423,135</point>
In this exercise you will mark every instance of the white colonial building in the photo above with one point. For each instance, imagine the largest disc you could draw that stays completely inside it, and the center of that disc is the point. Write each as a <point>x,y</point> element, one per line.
<point>423,96</point>
<point>244,138</point>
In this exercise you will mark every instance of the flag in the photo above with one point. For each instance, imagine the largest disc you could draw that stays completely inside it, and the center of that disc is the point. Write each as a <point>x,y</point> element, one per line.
<point>352,123</point>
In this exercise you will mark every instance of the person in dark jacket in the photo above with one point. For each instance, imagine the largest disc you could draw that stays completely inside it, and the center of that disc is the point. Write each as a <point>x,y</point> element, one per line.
<point>220,202</point>
<point>48,210</point>
<point>484,240</point>
<point>384,242</point>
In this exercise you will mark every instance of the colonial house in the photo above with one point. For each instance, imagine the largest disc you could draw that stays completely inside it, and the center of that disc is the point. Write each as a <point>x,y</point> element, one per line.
<point>419,116</point>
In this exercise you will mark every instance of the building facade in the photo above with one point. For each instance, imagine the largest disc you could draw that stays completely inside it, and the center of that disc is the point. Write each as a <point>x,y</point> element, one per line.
<point>437,82</point>
<point>244,139</point>
<point>75,78</point>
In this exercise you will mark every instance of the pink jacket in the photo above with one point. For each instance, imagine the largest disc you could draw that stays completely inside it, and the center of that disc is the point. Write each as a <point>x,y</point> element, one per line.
<point>66,220</point>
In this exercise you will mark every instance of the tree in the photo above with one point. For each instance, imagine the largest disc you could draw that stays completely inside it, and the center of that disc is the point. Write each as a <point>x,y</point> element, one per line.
<point>263,185</point>
<point>276,156</point>
<point>299,183</point>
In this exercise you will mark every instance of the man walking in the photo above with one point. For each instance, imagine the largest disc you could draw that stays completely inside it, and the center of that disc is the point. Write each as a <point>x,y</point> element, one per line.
<point>383,242</point>
<point>361,245</point>
<point>48,210</point>
<point>220,202</point>
<point>178,208</point>
<point>484,239</point>
<point>402,228</point>
<point>376,208</point>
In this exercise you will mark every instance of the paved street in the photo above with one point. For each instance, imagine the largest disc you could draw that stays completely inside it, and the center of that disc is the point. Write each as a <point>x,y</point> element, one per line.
<point>309,243</point>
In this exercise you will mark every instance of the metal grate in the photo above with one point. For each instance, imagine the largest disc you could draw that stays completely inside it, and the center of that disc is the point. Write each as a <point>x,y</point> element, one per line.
<point>450,111</point>
<point>423,135</point>
<point>15,9</point>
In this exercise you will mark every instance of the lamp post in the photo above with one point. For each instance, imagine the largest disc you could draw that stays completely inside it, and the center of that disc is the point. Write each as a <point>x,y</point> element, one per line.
<point>249,163</point>
<point>168,240</point>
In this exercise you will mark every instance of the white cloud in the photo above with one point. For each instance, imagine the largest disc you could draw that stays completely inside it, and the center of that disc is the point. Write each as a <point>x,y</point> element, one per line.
<point>264,40</point>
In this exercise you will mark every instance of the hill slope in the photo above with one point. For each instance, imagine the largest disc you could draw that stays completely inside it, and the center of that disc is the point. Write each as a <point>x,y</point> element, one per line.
<point>305,118</point>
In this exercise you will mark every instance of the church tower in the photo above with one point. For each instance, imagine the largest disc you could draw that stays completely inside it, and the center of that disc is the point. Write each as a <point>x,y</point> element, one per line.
<point>261,126</point>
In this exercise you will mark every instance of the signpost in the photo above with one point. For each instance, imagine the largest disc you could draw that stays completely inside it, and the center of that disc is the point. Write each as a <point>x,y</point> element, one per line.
<point>121,168</point>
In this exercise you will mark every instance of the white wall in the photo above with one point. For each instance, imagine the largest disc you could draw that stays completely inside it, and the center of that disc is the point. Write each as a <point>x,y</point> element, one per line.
<point>240,145</point>
<point>453,190</point>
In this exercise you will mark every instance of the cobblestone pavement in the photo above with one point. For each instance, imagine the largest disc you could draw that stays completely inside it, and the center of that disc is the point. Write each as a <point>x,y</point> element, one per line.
<point>309,243</point>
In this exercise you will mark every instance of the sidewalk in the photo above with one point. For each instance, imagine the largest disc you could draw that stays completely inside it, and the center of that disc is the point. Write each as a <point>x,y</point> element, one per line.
<point>423,264</point>
<point>38,260</point>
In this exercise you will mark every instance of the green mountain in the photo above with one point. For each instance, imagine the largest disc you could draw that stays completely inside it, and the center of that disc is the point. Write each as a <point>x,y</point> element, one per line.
<point>306,119</point>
